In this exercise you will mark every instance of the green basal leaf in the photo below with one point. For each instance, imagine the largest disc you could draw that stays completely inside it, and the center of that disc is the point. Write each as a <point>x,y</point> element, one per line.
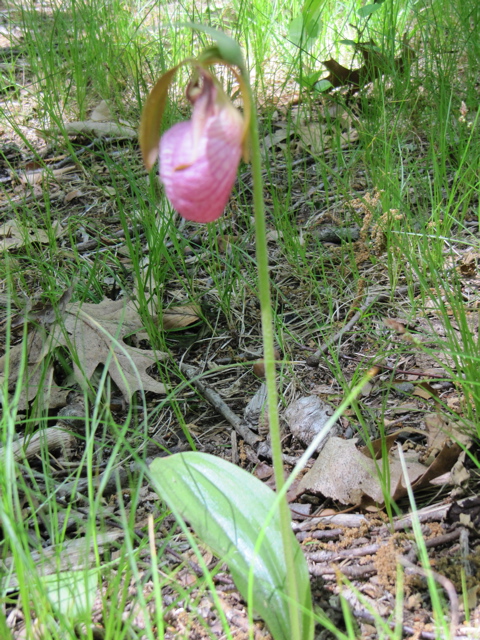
<point>311,12</point>
<point>322,85</point>
<point>295,30</point>
<point>71,593</point>
<point>227,508</point>
<point>369,9</point>
<point>298,35</point>
<point>309,79</point>
<point>350,43</point>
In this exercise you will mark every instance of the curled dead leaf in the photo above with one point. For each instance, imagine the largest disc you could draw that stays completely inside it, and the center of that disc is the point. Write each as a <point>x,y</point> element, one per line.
<point>353,476</point>
<point>181,316</point>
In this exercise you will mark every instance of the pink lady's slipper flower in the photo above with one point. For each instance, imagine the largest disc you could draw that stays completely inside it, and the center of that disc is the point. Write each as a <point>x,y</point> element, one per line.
<point>199,158</point>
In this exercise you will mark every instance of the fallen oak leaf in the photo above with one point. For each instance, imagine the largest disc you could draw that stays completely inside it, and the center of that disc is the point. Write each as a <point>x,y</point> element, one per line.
<point>97,333</point>
<point>44,313</point>
<point>94,334</point>
<point>37,375</point>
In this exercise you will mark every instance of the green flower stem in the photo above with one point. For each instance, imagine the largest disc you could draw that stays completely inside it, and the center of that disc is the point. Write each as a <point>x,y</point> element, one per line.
<point>269,359</point>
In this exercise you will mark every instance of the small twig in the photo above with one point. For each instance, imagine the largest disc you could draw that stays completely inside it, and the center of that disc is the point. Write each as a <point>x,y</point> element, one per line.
<point>214,399</point>
<point>432,513</point>
<point>178,556</point>
<point>354,573</point>
<point>322,557</point>
<point>73,157</point>
<point>447,586</point>
<point>319,534</point>
<point>465,553</point>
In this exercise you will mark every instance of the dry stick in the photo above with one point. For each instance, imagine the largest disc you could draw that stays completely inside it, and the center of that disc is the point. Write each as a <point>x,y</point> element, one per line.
<point>368,617</point>
<point>447,586</point>
<point>354,573</point>
<point>197,569</point>
<point>465,553</point>
<point>314,360</point>
<point>93,243</point>
<point>50,438</point>
<point>432,513</point>
<point>214,399</point>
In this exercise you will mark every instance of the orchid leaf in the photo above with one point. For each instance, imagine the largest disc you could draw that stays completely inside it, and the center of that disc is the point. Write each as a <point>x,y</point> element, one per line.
<point>311,12</point>
<point>369,9</point>
<point>304,28</point>
<point>152,115</point>
<point>227,508</point>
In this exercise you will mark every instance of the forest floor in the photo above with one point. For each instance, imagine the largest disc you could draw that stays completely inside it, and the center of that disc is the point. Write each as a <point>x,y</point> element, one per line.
<point>72,216</point>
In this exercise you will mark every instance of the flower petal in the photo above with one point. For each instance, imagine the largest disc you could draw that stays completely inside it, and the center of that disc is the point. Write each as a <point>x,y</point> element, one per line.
<point>199,172</point>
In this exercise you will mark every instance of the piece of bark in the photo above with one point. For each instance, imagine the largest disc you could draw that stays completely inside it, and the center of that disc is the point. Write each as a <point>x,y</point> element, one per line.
<point>52,438</point>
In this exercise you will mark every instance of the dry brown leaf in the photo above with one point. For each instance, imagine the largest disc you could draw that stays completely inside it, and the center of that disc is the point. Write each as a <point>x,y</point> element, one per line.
<point>95,333</point>
<point>101,113</point>
<point>43,313</point>
<point>313,136</point>
<point>440,429</point>
<point>395,325</point>
<point>225,242</point>
<point>468,264</point>
<point>273,139</point>
<point>37,380</point>
<point>181,316</point>
<point>351,476</point>
<point>13,235</point>
<point>72,195</point>
<point>425,390</point>
<point>343,473</point>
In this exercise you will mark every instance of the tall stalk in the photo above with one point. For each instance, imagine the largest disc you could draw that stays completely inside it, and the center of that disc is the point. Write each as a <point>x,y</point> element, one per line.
<point>269,359</point>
